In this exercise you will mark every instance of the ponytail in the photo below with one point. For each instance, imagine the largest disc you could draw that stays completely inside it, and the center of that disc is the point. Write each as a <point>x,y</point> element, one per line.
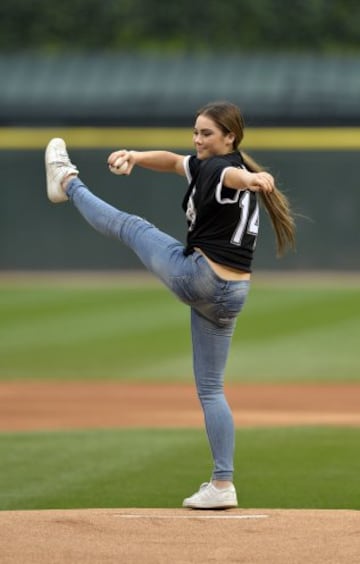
<point>278,208</point>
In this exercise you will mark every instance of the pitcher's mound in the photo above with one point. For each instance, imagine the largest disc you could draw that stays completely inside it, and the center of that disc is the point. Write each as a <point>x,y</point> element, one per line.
<point>164,536</point>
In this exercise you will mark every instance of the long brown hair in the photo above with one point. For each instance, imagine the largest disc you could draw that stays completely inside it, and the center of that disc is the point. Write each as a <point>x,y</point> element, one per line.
<point>228,118</point>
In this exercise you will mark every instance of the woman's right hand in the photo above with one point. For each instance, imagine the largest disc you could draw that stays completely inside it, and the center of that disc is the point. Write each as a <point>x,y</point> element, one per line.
<point>121,162</point>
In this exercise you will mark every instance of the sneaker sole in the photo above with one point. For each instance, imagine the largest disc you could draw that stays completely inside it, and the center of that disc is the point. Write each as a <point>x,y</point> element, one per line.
<point>210,506</point>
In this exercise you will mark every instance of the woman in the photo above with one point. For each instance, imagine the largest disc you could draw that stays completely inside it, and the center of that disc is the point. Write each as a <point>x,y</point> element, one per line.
<point>211,273</point>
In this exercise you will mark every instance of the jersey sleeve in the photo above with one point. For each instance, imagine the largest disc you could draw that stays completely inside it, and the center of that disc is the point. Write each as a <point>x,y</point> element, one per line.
<point>191,167</point>
<point>216,169</point>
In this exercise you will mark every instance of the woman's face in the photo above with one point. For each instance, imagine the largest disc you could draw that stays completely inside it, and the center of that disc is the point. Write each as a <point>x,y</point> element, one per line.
<point>209,139</point>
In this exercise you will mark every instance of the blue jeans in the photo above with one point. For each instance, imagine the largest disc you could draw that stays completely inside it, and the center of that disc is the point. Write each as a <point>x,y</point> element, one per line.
<point>214,302</point>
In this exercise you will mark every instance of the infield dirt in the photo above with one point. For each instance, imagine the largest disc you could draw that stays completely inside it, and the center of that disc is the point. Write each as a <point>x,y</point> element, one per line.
<point>69,405</point>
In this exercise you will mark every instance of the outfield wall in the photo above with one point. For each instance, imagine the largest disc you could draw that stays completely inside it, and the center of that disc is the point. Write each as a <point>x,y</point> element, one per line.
<point>316,168</point>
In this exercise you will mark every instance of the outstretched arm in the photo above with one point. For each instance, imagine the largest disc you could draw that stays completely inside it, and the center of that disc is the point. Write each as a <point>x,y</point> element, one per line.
<point>241,179</point>
<point>160,161</point>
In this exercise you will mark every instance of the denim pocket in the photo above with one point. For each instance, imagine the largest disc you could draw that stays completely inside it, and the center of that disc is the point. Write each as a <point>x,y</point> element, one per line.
<point>219,300</point>
<point>232,300</point>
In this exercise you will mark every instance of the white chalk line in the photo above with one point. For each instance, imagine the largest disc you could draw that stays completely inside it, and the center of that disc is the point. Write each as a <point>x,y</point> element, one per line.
<point>192,516</point>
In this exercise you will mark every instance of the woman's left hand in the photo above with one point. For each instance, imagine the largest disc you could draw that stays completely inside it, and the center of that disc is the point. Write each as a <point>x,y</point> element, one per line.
<point>241,179</point>
<point>261,182</point>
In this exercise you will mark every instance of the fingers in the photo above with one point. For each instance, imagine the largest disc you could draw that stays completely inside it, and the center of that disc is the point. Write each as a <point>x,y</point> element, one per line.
<point>265,182</point>
<point>113,157</point>
<point>118,162</point>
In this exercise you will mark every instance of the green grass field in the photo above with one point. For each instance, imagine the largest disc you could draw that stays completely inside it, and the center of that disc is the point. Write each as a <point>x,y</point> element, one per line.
<point>115,331</point>
<point>140,332</point>
<point>286,468</point>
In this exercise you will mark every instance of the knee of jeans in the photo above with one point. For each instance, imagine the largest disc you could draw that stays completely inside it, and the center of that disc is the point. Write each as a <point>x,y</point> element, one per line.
<point>210,393</point>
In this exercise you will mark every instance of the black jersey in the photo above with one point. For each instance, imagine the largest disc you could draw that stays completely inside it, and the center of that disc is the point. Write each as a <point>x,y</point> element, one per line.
<point>222,222</point>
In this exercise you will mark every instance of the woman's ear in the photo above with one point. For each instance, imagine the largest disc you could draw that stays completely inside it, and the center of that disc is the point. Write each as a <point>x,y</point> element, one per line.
<point>230,139</point>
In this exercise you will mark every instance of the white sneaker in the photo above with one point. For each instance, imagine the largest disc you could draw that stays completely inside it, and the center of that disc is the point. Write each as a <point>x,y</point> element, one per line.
<point>58,166</point>
<point>210,497</point>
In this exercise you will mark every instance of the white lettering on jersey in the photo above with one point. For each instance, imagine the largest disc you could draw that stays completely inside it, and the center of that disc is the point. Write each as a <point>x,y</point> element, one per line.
<point>249,225</point>
<point>191,210</point>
